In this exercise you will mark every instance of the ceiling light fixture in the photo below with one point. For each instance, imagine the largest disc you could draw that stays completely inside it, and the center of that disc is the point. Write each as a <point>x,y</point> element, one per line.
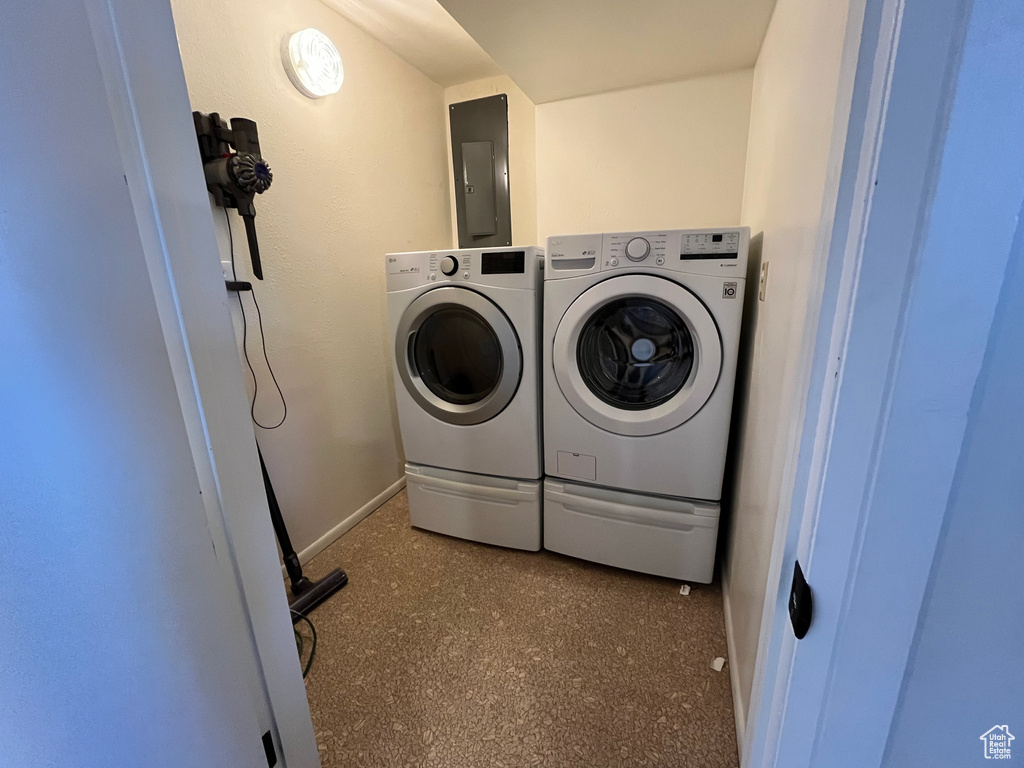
<point>313,63</point>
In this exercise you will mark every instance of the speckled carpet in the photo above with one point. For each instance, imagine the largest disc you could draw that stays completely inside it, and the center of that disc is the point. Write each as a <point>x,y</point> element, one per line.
<point>442,652</point>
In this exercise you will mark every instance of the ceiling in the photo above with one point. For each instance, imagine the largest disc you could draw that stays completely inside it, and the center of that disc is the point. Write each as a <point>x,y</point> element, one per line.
<point>558,49</point>
<point>422,33</point>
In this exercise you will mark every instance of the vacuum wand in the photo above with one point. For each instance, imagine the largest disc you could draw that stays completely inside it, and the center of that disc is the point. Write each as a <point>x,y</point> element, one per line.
<point>306,594</point>
<point>254,246</point>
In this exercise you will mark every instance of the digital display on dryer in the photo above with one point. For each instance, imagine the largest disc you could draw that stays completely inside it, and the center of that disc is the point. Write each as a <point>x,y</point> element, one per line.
<point>503,263</point>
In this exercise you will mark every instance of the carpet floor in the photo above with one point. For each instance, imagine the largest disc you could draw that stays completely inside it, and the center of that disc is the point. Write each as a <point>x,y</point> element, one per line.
<point>442,652</point>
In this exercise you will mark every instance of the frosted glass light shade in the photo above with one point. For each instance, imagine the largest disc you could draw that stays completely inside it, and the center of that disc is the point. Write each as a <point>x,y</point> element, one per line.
<point>313,63</point>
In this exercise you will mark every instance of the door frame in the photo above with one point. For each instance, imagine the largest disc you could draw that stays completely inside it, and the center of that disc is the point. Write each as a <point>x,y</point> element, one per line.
<point>148,98</point>
<point>884,416</point>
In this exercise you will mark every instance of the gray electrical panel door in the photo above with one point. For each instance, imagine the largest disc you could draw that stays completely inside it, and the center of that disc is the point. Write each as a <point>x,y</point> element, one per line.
<point>480,162</point>
<point>478,186</point>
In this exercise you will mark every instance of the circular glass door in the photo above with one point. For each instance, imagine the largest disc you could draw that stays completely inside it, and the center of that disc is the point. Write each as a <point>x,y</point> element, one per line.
<point>458,355</point>
<point>637,355</point>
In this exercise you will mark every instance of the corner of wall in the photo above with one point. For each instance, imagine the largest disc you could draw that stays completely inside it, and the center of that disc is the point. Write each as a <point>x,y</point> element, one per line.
<point>793,95</point>
<point>668,165</point>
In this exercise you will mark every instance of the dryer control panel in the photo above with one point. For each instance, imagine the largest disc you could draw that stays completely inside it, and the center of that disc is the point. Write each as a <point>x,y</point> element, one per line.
<point>720,252</point>
<point>502,267</point>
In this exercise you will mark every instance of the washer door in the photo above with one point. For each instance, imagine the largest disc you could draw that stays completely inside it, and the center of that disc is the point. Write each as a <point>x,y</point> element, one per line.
<point>458,355</point>
<point>637,355</point>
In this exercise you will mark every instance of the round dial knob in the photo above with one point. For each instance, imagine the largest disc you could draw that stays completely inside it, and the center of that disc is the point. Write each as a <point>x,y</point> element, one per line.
<point>449,265</point>
<point>637,249</point>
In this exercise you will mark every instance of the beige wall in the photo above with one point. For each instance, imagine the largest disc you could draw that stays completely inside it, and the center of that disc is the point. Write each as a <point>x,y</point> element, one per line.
<point>355,175</point>
<point>788,157</point>
<point>660,156</point>
<point>522,155</point>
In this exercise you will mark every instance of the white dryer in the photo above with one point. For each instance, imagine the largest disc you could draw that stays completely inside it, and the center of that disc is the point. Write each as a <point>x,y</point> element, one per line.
<point>466,330</point>
<point>641,335</point>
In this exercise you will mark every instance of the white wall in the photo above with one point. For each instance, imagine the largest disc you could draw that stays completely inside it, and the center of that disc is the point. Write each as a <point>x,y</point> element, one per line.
<point>355,175</point>
<point>116,641</point>
<point>522,153</point>
<point>663,155</point>
<point>659,156</point>
<point>791,132</point>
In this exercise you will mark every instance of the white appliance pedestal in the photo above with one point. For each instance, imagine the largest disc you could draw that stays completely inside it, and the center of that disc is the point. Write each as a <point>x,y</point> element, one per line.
<point>501,511</point>
<point>639,532</point>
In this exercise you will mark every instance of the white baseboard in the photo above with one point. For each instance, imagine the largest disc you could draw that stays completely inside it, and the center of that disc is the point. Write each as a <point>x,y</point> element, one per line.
<point>348,523</point>
<point>734,674</point>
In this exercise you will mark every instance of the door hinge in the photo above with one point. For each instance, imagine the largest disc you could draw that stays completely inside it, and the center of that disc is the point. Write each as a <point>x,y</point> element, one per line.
<point>801,605</point>
<point>268,747</point>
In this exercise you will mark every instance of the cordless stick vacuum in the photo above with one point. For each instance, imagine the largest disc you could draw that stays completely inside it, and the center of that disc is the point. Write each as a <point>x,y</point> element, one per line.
<point>306,594</point>
<point>235,173</point>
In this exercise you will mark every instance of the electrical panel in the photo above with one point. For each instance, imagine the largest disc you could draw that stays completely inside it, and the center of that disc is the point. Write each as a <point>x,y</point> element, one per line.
<point>483,208</point>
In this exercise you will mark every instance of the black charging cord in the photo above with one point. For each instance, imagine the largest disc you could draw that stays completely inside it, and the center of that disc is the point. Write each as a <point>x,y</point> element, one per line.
<point>245,338</point>
<point>300,643</point>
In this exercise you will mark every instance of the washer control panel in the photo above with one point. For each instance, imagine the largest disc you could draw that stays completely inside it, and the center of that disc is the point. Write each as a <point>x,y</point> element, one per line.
<point>626,249</point>
<point>710,245</point>
<point>698,251</point>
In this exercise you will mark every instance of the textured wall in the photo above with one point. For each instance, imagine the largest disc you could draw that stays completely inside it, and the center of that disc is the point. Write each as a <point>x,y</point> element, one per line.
<point>791,122</point>
<point>660,156</point>
<point>522,153</point>
<point>355,175</point>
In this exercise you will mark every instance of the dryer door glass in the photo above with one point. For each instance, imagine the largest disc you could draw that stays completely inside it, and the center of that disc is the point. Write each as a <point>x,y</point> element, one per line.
<point>635,353</point>
<point>457,355</point>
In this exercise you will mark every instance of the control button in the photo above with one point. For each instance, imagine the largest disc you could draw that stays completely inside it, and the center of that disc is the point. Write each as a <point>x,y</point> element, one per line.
<point>466,275</point>
<point>449,265</point>
<point>660,260</point>
<point>614,262</point>
<point>433,276</point>
<point>637,249</point>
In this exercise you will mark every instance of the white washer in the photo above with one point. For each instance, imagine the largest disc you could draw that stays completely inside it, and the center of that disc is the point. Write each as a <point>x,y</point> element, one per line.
<point>641,334</point>
<point>465,327</point>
